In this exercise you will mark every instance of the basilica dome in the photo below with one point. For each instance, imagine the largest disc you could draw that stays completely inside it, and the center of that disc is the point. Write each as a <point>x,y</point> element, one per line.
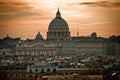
<point>58,29</point>
<point>58,23</point>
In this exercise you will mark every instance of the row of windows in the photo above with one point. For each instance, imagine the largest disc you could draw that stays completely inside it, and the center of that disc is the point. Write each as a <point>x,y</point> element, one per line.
<point>12,68</point>
<point>58,34</point>
<point>35,52</point>
<point>101,44</point>
<point>91,48</point>
<point>42,70</point>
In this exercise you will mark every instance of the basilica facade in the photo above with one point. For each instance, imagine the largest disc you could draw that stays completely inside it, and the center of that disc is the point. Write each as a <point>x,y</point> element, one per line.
<point>60,42</point>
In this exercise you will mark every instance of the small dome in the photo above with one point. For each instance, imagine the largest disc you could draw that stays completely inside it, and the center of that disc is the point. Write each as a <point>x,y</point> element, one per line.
<point>7,38</point>
<point>94,35</point>
<point>38,37</point>
<point>58,23</point>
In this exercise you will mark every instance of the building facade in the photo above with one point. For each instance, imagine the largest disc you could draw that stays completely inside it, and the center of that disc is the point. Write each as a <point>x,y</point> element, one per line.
<point>60,42</point>
<point>41,68</point>
<point>90,45</point>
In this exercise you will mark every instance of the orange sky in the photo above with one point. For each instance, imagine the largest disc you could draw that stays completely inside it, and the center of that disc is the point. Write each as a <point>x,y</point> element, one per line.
<point>24,18</point>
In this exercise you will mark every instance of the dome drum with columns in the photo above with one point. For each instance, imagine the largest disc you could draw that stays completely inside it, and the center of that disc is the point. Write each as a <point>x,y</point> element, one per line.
<point>58,28</point>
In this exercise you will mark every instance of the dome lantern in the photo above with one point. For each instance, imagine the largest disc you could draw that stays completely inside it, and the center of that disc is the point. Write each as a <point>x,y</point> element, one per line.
<point>58,14</point>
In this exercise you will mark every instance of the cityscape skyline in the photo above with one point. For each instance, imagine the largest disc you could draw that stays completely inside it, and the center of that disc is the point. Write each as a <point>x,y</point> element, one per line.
<point>25,18</point>
<point>59,40</point>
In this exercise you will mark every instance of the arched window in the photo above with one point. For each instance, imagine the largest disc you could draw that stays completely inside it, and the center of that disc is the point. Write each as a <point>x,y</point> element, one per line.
<point>3,52</point>
<point>66,73</point>
<point>36,70</point>
<point>42,70</point>
<point>48,70</point>
<point>30,70</point>
<point>54,70</point>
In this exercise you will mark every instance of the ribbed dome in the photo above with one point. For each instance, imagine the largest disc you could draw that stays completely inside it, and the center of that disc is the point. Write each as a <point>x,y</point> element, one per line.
<point>58,23</point>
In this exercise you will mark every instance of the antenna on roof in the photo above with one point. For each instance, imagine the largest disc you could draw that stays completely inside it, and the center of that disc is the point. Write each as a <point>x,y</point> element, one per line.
<point>77,31</point>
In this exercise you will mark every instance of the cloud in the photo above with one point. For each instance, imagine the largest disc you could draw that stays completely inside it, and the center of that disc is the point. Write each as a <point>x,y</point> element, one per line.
<point>13,6</point>
<point>104,4</point>
<point>10,10</point>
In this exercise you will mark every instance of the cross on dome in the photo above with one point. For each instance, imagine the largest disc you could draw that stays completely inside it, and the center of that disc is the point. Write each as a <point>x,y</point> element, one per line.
<point>58,14</point>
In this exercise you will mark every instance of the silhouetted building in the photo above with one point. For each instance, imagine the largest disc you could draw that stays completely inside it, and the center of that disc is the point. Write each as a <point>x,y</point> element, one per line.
<point>60,42</point>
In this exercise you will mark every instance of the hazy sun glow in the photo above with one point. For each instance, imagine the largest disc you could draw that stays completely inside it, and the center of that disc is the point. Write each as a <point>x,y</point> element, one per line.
<point>24,18</point>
